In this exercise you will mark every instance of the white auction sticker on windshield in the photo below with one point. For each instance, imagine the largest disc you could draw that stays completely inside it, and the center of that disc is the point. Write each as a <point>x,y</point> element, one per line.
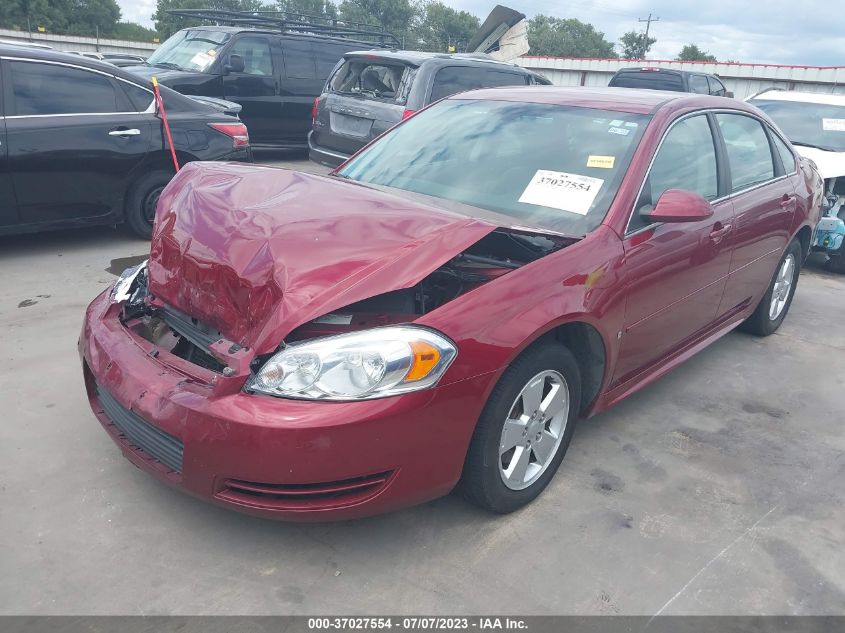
<point>202,59</point>
<point>559,190</point>
<point>833,125</point>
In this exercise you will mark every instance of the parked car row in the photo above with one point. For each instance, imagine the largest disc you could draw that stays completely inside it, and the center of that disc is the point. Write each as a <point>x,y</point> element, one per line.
<point>81,144</point>
<point>815,124</point>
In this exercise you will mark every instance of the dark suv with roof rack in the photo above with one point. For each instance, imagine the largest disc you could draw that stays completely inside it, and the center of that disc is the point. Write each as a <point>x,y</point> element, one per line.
<point>271,63</point>
<point>656,78</point>
<point>371,91</point>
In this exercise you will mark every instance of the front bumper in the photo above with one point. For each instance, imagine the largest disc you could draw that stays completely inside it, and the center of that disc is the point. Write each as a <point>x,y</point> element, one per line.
<point>268,456</point>
<point>324,156</point>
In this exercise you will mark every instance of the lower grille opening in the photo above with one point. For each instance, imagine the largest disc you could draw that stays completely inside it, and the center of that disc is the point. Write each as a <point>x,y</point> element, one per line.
<point>186,350</point>
<point>302,496</point>
<point>152,441</point>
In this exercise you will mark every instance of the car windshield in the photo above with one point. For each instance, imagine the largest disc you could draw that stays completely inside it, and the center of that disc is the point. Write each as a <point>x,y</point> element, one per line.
<point>551,166</point>
<point>813,124</point>
<point>193,50</point>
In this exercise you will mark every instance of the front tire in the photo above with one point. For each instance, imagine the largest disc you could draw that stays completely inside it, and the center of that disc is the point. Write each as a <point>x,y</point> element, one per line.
<point>524,430</point>
<point>774,306</point>
<point>142,200</point>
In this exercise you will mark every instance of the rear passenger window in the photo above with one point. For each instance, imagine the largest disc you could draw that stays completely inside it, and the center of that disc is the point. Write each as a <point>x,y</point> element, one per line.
<point>255,51</point>
<point>495,78</point>
<point>51,89</point>
<point>299,60</point>
<point>749,154</point>
<point>787,158</point>
<point>716,87</point>
<point>454,79</point>
<point>686,160</point>
<point>698,84</point>
<point>140,98</point>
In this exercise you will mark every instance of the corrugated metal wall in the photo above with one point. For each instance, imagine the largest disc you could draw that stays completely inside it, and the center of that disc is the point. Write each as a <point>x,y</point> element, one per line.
<point>75,43</point>
<point>743,79</point>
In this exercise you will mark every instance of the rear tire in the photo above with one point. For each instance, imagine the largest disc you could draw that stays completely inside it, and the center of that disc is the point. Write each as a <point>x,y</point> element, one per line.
<point>774,306</point>
<point>518,445</point>
<point>836,261</point>
<point>142,199</point>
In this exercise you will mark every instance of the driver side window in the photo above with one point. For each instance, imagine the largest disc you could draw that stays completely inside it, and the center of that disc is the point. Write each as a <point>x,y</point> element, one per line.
<point>255,51</point>
<point>685,160</point>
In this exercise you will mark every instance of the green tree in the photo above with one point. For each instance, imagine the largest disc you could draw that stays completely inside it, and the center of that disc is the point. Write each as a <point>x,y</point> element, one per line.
<point>167,24</point>
<point>72,17</point>
<point>17,14</point>
<point>396,16</point>
<point>636,45</point>
<point>441,26</point>
<point>691,53</point>
<point>320,8</point>
<point>134,32</point>
<point>567,38</point>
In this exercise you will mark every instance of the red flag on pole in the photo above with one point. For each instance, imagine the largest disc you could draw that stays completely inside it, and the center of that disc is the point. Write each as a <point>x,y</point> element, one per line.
<point>163,115</point>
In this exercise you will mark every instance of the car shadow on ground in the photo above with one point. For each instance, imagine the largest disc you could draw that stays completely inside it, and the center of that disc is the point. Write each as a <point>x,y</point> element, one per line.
<point>67,241</point>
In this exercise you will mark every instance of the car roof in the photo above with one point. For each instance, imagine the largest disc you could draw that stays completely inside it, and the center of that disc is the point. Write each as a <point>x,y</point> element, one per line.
<point>281,33</point>
<point>417,58</point>
<point>659,69</point>
<point>37,54</point>
<point>633,100</point>
<point>775,94</point>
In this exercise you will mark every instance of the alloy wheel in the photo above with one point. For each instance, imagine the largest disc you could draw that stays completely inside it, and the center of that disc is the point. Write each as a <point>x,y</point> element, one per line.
<point>782,287</point>
<point>533,429</point>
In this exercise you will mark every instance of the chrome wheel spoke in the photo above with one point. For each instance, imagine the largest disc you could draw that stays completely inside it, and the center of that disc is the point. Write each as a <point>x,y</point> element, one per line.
<point>518,466</point>
<point>512,435</point>
<point>555,402</point>
<point>532,395</point>
<point>545,448</point>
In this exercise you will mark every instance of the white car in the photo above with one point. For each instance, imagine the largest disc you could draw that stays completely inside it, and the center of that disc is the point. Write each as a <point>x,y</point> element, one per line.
<point>815,124</point>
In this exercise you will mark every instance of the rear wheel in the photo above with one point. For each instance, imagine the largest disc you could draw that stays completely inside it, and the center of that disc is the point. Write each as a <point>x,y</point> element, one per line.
<point>524,430</point>
<point>774,306</point>
<point>836,261</point>
<point>142,200</point>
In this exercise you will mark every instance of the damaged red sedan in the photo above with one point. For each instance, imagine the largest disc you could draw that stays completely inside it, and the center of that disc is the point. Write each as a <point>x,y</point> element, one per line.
<point>442,309</point>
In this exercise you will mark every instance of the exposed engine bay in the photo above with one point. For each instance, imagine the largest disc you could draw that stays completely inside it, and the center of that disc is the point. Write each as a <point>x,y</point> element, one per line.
<point>495,255</point>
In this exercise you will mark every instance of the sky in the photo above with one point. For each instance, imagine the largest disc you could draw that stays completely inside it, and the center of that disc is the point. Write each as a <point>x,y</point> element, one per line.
<point>763,31</point>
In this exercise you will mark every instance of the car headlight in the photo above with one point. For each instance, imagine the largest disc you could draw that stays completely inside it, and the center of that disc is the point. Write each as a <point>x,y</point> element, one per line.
<point>122,288</point>
<point>357,366</point>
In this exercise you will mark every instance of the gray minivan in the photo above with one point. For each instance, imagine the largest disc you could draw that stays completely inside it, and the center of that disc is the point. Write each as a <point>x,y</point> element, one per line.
<point>371,91</point>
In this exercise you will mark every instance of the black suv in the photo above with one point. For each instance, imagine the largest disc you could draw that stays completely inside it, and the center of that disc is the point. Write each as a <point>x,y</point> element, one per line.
<point>272,66</point>
<point>654,78</point>
<point>371,91</point>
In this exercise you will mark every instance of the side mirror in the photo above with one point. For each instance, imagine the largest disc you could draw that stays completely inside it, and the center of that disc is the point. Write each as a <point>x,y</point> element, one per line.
<point>235,65</point>
<point>679,205</point>
<point>729,94</point>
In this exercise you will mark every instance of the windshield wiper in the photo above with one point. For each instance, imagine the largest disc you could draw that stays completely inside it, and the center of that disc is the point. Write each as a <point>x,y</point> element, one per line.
<point>821,147</point>
<point>169,65</point>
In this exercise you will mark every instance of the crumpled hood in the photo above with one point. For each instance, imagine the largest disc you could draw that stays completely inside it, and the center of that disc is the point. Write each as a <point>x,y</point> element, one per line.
<point>829,164</point>
<point>256,251</point>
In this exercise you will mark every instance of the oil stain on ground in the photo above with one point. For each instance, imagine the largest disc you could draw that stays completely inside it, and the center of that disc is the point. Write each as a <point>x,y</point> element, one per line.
<point>31,302</point>
<point>117,266</point>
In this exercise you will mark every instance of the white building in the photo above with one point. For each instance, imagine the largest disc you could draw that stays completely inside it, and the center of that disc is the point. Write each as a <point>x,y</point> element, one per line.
<point>743,79</point>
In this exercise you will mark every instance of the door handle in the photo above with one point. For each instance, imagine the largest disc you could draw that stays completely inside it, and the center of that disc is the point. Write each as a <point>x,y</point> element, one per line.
<point>719,232</point>
<point>132,132</point>
<point>787,202</point>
